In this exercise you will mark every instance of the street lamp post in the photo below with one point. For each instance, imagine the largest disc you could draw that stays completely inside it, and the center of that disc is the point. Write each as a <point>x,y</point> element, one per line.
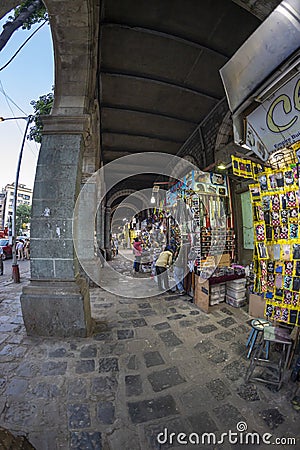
<point>15,267</point>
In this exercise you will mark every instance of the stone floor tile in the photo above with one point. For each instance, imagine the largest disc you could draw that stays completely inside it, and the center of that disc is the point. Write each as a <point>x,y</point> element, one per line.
<point>133,385</point>
<point>139,322</point>
<point>272,417</point>
<point>16,387</point>
<point>147,312</point>
<point>227,322</point>
<point>86,440</point>
<point>146,410</point>
<point>224,336</point>
<point>162,326</point>
<point>77,389</point>
<point>165,379</point>
<point>125,334</point>
<point>170,339</point>
<point>133,363</point>
<point>104,386</point>
<point>202,423</point>
<point>50,368</point>
<point>248,392</point>
<point>108,365</point>
<point>85,366</point>
<point>153,359</point>
<point>235,370</point>
<point>78,416</point>
<point>144,305</point>
<point>207,329</point>
<point>228,415</point>
<point>218,389</point>
<point>89,351</point>
<point>205,346</point>
<point>106,412</point>
<point>176,317</point>
<point>196,398</point>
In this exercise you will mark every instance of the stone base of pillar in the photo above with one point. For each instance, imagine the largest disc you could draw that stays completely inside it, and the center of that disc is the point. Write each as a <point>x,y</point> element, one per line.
<point>108,254</point>
<point>57,308</point>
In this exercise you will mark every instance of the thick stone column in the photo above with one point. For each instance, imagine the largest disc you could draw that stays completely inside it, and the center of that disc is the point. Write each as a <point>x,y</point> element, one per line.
<point>56,302</point>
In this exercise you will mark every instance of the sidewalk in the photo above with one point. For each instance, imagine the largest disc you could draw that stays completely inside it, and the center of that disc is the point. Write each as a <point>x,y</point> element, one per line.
<point>151,364</point>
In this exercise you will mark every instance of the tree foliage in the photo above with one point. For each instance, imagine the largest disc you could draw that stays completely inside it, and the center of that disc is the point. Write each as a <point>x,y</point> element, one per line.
<point>25,15</point>
<point>23,216</point>
<point>41,107</point>
<point>37,13</point>
<point>28,13</point>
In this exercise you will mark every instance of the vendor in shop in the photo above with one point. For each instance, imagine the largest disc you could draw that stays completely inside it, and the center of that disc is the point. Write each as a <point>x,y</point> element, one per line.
<point>163,262</point>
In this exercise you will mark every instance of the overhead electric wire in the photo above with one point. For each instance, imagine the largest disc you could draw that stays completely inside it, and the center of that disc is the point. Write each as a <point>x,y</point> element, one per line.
<point>35,154</point>
<point>24,43</point>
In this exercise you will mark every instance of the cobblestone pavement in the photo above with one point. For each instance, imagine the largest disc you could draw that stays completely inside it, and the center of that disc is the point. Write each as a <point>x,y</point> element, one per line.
<point>151,364</point>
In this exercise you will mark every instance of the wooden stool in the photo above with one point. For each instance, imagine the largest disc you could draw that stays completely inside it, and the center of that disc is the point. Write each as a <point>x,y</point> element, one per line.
<point>271,334</point>
<point>258,326</point>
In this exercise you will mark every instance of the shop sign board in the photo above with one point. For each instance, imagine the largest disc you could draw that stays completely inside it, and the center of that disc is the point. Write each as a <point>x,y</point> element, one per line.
<point>275,124</point>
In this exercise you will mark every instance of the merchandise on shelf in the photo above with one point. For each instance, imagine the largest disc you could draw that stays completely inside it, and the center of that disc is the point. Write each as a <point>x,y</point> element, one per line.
<point>276,202</point>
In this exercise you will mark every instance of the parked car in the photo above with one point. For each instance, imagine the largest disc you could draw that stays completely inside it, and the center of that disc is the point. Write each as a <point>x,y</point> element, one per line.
<point>6,247</point>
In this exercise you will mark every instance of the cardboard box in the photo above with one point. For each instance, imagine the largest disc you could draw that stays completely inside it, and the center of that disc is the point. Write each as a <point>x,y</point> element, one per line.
<point>256,306</point>
<point>223,260</point>
<point>201,298</point>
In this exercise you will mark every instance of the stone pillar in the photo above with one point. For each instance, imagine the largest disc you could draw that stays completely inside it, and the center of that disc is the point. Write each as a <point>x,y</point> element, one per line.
<point>56,302</point>
<point>107,233</point>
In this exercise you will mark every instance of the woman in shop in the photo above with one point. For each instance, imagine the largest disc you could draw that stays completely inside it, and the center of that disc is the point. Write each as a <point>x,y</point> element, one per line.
<point>137,250</point>
<point>164,261</point>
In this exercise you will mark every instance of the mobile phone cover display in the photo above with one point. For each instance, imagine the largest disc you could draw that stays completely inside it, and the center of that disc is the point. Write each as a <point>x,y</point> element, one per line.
<point>275,201</point>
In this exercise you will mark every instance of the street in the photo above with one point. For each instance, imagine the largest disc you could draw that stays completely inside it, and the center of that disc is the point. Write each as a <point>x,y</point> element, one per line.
<point>24,268</point>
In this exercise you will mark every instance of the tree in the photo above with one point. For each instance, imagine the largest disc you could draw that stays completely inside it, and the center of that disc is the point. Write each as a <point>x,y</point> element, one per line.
<point>25,15</point>
<point>23,216</point>
<point>28,13</point>
<point>41,107</point>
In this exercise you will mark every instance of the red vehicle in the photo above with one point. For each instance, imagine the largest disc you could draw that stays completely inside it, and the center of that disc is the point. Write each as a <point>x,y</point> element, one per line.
<point>6,247</point>
<point>4,233</point>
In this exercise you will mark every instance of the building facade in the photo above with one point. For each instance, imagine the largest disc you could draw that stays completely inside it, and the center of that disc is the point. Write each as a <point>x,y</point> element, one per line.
<point>24,197</point>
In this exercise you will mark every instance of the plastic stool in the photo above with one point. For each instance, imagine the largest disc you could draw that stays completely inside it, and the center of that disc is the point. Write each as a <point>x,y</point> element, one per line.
<point>258,326</point>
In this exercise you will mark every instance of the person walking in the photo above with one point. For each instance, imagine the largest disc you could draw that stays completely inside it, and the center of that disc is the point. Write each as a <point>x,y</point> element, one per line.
<point>162,263</point>
<point>20,250</point>
<point>116,245</point>
<point>27,249</point>
<point>137,250</point>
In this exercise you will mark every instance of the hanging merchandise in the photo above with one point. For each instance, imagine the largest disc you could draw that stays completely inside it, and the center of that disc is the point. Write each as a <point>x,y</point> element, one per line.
<point>246,168</point>
<point>276,204</point>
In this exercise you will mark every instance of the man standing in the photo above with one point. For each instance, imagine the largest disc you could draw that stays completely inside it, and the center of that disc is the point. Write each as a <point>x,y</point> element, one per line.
<point>20,250</point>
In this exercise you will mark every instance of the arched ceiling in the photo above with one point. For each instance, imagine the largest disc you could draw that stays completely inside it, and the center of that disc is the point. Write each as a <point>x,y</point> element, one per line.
<point>159,69</point>
<point>154,64</point>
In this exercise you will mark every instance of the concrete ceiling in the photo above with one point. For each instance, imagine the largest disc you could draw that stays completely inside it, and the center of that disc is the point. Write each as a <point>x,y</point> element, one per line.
<point>159,69</point>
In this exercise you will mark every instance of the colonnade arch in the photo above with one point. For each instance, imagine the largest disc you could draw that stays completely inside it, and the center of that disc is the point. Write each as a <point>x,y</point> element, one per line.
<point>69,154</point>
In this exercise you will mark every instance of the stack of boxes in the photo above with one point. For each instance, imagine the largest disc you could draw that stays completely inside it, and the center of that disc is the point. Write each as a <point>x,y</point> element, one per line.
<point>236,292</point>
<point>217,293</point>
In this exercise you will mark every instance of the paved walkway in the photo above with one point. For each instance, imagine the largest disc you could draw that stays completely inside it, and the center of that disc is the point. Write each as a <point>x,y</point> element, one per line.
<point>151,364</point>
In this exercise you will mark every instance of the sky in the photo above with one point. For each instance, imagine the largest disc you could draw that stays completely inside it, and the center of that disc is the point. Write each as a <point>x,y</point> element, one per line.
<point>26,78</point>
